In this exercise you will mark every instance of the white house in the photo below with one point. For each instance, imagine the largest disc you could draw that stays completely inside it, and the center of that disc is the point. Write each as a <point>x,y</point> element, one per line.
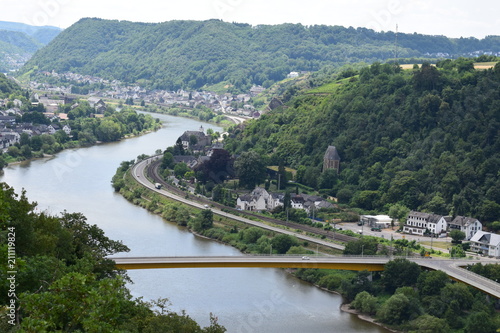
<point>257,200</point>
<point>485,243</point>
<point>376,221</point>
<point>275,200</point>
<point>419,223</point>
<point>468,225</point>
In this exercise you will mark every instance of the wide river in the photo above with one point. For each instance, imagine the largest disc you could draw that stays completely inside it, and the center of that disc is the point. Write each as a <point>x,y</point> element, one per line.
<point>243,299</point>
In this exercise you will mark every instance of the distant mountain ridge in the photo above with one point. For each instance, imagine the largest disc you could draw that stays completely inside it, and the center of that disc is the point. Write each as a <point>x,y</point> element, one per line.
<point>193,54</point>
<point>43,34</point>
<point>19,41</point>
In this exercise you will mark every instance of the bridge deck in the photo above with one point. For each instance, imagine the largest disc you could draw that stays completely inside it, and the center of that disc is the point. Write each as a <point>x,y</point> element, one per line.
<point>451,267</point>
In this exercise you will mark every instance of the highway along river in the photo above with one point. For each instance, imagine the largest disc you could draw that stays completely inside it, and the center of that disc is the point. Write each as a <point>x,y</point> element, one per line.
<point>243,299</point>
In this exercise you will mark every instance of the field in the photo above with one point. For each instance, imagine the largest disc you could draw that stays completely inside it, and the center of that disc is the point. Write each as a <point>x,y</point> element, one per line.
<point>477,65</point>
<point>330,88</point>
<point>484,65</point>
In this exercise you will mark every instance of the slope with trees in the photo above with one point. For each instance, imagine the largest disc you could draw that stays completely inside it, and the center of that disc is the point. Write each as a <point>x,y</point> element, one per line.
<point>63,281</point>
<point>193,54</point>
<point>425,139</point>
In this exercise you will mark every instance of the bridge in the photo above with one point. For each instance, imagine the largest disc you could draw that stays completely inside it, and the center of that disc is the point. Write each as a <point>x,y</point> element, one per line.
<point>452,267</point>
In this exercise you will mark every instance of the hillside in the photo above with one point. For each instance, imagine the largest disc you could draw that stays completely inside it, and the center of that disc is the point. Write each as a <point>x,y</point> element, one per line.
<point>425,138</point>
<point>42,35</point>
<point>8,87</point>
<point>18,42</point>
<point>192,54</point>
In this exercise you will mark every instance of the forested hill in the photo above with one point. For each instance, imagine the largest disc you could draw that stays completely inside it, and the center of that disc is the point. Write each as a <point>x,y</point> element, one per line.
<point>8,87</point>
<point>18,42</point>
<point>427,138</point>
<point>191,54</point>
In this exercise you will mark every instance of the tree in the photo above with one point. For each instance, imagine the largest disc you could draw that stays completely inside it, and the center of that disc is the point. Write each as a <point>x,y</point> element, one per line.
<point>344,195</point>
<point>457,236</point>
<point>429,324</point>
<point>365,303</point>
<point>458,294</point>
<point>399,212</point>
<point>399,273</point>
<point>217,169</point>
<point>396,310</point>
<point>180,169</point>
<point>480,322</point>
<point>36,143</point>
<point>77,302</point>
<point>282,243</point>
<point>431,283</point>
<point>178,148</point>
<point>365,246</point>
<point>203,221</point>
<point>250,169</point>
<point>167,160</point>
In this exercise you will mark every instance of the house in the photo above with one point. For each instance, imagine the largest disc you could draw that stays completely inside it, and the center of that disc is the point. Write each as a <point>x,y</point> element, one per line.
<point>53,128</point>
<point>7,120</point>
<point>190,160</point>
<point>67,129</point>
<point>331,159</point>
<point>418,223</point>
<point>297,202</point>
<point>485,243</point>
<point>275,200</point>
<point>376,221</point>
<point>467,225</point>
<point>255,201</point>
<point>195,140</point>
<point>98,104</point>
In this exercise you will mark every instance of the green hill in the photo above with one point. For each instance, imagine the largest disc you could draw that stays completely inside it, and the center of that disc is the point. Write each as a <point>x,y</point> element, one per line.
<point>42,35</point>
<point>426,138</point>
<point>18,42</point>
<point>192,54</point>
<point>8,87</point>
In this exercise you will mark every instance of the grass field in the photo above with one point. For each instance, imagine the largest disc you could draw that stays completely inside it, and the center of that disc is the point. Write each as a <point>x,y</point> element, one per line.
<point>484,65</point>
<point>436,244</point>
<point>477,65</point>
<point>330,88</point>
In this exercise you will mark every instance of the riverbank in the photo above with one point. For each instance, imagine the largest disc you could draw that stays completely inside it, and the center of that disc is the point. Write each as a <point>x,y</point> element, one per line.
<point>346,307</point>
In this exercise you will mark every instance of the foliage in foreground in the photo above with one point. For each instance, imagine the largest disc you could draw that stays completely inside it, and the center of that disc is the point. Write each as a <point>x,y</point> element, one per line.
<point>64,281</point>
<point>406,298</point>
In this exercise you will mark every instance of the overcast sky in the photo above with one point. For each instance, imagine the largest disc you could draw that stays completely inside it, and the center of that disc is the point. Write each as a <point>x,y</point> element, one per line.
<point>452,18</point>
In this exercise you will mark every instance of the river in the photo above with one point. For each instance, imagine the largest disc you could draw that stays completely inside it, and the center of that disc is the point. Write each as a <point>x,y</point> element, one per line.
<point>243,299</point>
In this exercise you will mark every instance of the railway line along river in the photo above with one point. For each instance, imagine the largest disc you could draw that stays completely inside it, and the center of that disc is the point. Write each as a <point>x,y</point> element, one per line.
<point>243,299</point>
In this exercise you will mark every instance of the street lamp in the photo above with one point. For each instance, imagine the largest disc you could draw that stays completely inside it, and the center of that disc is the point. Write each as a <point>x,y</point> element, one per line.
<point>362,247</point>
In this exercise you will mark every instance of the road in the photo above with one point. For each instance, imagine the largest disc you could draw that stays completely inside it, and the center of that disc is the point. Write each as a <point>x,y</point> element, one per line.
<point>237,120</point>
<point>452,267</point>
<point>449,266</point>
<point>138,172</point>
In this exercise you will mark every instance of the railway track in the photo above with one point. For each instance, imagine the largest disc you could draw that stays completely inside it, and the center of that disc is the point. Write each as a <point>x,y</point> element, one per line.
<point>152,173</point>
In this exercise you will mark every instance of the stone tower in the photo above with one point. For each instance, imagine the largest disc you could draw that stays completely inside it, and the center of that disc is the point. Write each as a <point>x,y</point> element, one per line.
<point>331,160</point>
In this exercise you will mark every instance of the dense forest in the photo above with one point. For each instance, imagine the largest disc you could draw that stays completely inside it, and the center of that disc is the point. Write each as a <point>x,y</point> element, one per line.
<point>193,54</point>
<point>61,281</point>
<point>426,138</point>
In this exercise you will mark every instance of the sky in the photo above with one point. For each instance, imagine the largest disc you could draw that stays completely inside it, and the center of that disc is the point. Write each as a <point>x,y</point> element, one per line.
<point>452,18</point>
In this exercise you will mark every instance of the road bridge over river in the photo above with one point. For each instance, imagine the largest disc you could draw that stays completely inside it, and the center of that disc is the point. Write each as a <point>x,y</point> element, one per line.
<point>452,267</point>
